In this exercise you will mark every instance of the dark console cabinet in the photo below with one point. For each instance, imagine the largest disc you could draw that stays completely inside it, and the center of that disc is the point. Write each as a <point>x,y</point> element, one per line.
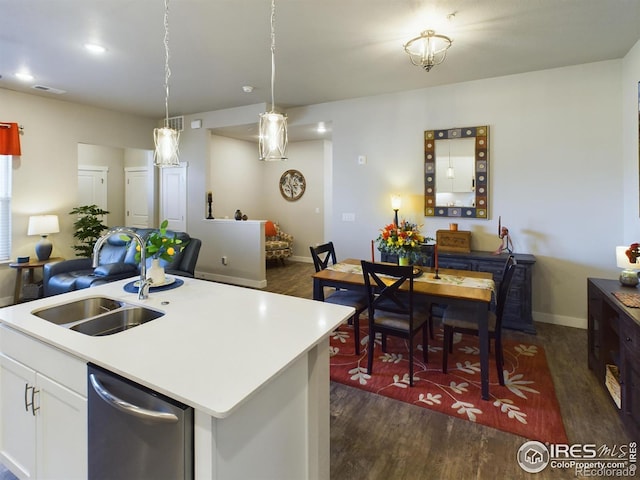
<point>614,341</point>
<point>518,311</point>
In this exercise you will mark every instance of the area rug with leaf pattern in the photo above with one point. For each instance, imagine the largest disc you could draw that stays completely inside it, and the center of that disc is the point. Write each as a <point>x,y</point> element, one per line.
<point>526,405</point>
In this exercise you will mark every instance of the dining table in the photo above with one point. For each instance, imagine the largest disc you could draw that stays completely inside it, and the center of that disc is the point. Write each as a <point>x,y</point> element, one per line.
<point>443,286</point>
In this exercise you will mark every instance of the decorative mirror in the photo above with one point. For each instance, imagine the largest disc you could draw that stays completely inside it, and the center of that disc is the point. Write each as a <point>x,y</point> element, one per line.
<point>456,172</point>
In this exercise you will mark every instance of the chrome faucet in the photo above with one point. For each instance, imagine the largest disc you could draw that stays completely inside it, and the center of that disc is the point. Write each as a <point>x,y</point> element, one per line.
<point>143,289</point>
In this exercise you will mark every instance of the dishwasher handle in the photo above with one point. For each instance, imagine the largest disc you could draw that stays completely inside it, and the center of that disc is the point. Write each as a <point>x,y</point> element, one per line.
<point>129,408</point>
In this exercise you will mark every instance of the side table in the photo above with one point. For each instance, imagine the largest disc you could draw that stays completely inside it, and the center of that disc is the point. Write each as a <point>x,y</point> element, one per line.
<point>30,267</point>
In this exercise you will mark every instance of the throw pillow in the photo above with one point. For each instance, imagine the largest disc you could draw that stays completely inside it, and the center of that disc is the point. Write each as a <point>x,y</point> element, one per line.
<point>270,229</point>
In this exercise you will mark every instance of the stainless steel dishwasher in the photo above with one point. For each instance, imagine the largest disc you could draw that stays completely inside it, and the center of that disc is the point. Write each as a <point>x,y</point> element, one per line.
<point>136,433</point>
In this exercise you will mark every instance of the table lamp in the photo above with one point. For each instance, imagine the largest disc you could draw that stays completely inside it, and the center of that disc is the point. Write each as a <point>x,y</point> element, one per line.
<point>43,225</point>
<point>396,203</point>
<point>629,273</point>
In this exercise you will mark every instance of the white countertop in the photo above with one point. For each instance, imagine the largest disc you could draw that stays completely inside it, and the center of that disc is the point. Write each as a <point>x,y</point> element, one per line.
<point>214,347</point>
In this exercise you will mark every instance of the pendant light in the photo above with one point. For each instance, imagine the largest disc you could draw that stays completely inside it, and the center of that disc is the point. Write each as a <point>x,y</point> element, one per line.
<point>450,172</point>
<point>273,126</point>
<point>166,139</point>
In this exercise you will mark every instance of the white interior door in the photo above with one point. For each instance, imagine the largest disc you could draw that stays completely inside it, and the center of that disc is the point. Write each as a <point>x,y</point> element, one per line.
<point>136,184</point>
<point>173,197</point>
<point>92,187</point>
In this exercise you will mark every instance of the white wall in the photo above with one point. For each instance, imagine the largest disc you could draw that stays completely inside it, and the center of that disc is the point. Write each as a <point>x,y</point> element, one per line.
<point>239,181</point>
<point>555,175</point>
<point>303,218</point>
<point>45,176</point>
<point>234,178</point>
<point>232,252</point>
<point>630,145</point>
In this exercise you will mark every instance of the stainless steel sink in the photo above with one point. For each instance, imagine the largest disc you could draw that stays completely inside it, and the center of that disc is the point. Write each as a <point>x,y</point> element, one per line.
<point>117,321</point>
<point>78,310</point>
<point>98,316</point>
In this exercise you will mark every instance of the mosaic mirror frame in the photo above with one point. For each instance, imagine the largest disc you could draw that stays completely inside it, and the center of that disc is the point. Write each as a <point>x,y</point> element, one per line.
<point>480,207</point>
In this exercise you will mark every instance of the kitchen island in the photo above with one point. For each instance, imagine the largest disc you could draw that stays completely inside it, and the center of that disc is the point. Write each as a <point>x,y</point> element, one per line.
<point>254,366</point>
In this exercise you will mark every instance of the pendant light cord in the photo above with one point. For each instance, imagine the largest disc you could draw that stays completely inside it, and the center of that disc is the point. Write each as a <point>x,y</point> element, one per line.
<point>167,70</point>
<point>273,53</point>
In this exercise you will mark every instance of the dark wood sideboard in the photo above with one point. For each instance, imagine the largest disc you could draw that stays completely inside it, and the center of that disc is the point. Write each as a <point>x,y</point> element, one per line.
<point>518,311</point>
<point>614,339</point>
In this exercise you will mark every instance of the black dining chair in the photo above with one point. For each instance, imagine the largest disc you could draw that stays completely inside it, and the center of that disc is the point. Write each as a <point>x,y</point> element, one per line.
<point>463,320</point>
<point>323,256</point>
<point>392,311</point>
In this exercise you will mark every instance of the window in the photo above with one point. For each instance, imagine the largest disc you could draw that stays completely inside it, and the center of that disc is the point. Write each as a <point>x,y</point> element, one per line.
<point>5,207</point>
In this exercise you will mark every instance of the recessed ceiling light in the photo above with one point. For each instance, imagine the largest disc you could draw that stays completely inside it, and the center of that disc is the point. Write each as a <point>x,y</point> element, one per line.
<point>247,89</point>
<point>95,48</point>
<point>24,76</point>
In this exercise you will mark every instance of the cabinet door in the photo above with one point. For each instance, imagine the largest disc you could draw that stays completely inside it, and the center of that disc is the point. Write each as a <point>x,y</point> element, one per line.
<point>61,431</point>
<point>455,263</point>
<point>17,420</point>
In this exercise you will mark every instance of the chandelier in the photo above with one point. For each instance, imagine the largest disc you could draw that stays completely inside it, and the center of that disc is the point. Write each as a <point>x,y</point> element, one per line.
<point>166,139</point>
<point>273,126</point>
<point>428,50</point>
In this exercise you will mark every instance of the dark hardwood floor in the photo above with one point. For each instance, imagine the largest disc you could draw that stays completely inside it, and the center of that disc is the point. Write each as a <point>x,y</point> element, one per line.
<point>373,437</point>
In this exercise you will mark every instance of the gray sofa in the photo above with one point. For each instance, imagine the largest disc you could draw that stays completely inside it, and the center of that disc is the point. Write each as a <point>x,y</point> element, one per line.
<point>117,261</point>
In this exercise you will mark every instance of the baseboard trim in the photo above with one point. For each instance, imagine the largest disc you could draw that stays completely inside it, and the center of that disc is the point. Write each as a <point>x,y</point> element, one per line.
<point>296,258</point>
<point>243,282</point>
<point>561,320</point>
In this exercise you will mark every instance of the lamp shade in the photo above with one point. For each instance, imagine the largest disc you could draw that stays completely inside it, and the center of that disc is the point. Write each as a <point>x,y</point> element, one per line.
<point>43,225</point>
<point>396,202</point>
<point>166,141</point>
<point>273,136</point>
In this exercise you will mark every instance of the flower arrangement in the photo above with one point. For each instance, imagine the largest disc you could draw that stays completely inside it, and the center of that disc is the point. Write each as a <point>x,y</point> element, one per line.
<point>633,252</point>
<point>400,239</point>
<point>161,245</point>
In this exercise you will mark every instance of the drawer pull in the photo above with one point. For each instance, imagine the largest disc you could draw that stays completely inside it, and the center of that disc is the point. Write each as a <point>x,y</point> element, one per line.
<point>34,409</point>
<point>26,395</point>
<point>30,402</point>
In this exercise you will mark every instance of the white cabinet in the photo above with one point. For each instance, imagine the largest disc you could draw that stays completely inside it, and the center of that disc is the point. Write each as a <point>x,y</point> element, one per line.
<point>43,423</point>
<point>17,442</point>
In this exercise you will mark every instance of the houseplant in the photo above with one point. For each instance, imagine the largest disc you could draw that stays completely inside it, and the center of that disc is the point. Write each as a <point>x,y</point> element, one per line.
<point>401,240</point>
<point>88,228</point>
<point>159,245</point>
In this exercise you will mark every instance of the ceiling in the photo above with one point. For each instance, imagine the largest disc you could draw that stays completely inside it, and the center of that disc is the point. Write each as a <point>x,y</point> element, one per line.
<point>326,50</point>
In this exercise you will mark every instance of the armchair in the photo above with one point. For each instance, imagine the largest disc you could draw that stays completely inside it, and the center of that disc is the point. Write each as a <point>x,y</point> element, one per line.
<point>278,244</point>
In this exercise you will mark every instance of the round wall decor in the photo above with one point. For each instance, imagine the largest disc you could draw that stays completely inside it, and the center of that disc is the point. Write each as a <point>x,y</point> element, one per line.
<point>292,185</point>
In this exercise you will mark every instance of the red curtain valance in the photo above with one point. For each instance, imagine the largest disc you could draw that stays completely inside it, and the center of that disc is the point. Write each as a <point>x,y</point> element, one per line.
<point>9,139</point>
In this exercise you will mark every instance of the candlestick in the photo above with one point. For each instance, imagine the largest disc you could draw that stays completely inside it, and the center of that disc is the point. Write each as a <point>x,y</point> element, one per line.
<point>209,202</point>
<point>499,225</point>
<point>372,258</point>
<point>435,256</point>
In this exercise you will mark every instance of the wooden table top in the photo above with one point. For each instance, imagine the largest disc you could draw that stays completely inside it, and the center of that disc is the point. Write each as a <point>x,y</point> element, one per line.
<point>434,287</point>
<point>35,263</point>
